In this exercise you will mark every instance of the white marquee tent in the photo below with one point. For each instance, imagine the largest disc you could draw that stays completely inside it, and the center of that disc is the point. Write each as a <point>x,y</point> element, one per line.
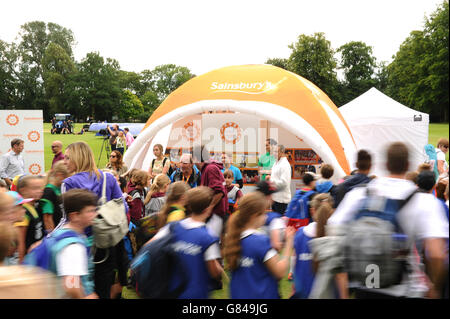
<point>376,120</point>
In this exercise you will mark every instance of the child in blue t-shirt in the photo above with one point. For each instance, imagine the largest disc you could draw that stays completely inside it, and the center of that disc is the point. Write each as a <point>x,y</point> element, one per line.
<point>275,225</point>
<point>255,265</point>
<point>197,248</point>
<point>304,270</point>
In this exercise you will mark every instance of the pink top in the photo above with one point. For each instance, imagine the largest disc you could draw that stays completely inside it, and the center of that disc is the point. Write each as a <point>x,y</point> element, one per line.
<point>129,138</point>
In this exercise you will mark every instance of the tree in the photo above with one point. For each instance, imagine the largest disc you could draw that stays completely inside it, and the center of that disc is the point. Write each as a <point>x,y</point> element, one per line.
<point>281,63</point>
<point>381,76</point>
<point>37,35</point>
<point>8,64</point>
<point>95,87</point>
<point>418,75</point>
<point>130,81</point>
<point>358,65</point>
<point>164,79</point>
<point>34,39</point>
<point>313,58</point>
<point>130,106</point>
<point>57,67</point>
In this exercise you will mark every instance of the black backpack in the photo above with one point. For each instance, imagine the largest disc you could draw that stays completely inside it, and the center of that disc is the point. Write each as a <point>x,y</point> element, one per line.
<point>152,269</point>
<point>170,171</point>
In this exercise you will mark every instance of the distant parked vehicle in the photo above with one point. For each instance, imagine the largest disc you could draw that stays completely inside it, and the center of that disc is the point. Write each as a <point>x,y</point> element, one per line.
<point>63,124</point>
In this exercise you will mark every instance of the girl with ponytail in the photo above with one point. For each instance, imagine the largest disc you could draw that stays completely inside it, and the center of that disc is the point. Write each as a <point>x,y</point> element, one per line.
<point>155,198</point>
<point>304,273</point>
<point>255,265</point>
<point>174,207</point>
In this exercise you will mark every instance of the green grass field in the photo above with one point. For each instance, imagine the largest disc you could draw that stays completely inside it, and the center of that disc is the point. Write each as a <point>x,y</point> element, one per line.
<point>436,131</point>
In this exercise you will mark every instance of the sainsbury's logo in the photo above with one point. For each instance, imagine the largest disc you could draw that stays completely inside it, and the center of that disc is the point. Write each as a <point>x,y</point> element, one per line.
<point>243,87</point>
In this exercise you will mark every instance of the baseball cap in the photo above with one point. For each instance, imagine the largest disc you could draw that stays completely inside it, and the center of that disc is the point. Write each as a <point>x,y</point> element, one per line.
<point>426,180</point>
<point>18,199</point>
<point>266,187</point>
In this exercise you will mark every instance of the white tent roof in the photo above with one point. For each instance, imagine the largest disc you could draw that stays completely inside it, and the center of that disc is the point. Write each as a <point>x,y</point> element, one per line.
<point>376,120</point>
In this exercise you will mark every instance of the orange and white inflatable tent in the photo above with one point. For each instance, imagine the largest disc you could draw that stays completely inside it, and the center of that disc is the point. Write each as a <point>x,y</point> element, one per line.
<point>264,91</point>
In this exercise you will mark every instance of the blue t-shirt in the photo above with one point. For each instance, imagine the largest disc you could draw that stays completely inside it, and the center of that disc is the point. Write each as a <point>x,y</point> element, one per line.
<point>303,272</point>
<point>252,279</point>
<point>190,245</point>
<point>236,173</point>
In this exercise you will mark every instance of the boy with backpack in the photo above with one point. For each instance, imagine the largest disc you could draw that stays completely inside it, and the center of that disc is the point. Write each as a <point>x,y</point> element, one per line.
<point>298,208</point>
<point>298,211</point>
<point>383,222</point>
<point>31,228</point>
<point>65,251</point>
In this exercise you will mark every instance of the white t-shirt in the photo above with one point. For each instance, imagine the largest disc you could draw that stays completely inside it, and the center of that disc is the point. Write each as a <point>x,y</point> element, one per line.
<point>72,261</point>
<point>281,177</point>
<point>422,217</point>
<point>441,157</point>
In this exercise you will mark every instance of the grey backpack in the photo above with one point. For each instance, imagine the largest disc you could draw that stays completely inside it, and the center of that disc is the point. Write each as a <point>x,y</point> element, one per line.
<point>111,224</point>
<point>375,244</point>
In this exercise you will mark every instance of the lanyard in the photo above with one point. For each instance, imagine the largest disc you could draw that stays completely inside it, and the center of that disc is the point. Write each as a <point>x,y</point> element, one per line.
<point>187,179</point>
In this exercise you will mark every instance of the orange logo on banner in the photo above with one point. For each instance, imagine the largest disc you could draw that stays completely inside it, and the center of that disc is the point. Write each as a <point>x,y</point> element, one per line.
<point>191,131</point>
<point>230,132</point>
<point>35,169</point>
<point>12,119</point>
<point>34,136</point>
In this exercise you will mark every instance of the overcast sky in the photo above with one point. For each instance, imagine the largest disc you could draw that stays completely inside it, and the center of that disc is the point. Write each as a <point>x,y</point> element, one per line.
<point>205,35</point>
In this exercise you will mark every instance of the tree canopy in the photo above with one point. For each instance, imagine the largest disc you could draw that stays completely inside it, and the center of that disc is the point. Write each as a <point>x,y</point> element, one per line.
<point>39,71</point>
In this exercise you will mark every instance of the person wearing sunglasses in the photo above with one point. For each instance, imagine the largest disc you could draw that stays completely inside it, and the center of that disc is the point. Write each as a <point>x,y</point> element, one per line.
<point>441,150</point>
<point>116,163</point>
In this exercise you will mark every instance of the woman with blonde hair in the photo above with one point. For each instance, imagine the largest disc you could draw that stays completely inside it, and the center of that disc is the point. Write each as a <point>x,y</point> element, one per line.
<point>155,198</point>
<point>80,162</point>
<point>116,163</point>
<point>256,267</point>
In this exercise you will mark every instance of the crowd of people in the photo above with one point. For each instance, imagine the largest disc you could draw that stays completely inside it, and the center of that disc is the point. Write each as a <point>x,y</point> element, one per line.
<point>315,236</point>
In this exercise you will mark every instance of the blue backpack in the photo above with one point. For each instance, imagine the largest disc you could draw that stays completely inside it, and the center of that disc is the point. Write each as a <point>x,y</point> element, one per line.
<point>152,269</point>
<point>44,255</point>
<point>298,208</point>
<point>432,157</point>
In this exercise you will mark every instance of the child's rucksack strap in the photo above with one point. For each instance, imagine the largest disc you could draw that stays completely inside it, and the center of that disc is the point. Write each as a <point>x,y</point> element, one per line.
<point>366,211</point>
<point>62,239</point>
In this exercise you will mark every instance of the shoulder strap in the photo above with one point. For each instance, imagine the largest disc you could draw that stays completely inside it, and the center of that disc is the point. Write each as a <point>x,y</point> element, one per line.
<point>103,198</point>
<point>407,199</point>
<point>32,210</point>
<point>153,162</point>
<point>310,193</point>
<point>164,161</point>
